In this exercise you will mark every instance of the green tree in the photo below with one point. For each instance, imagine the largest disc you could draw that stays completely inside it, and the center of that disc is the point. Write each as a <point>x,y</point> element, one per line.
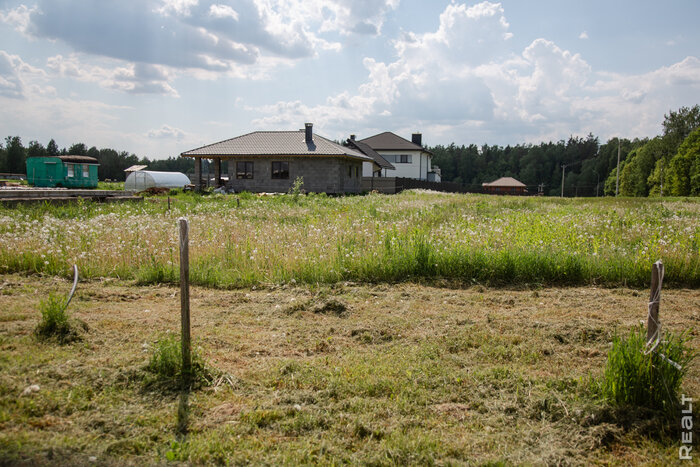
<point>52,149</point>
<point>639,166</point>
<point>36,149</point>
<point>678,125</point>
<point>15,155</point>
<point>78,149</point>
<point>683,174</point>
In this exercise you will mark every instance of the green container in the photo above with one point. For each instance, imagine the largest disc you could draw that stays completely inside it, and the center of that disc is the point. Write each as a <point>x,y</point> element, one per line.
<point>62,171</point>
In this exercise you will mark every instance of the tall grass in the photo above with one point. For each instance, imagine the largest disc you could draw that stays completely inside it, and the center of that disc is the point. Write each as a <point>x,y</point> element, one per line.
<point>635,378</point>
<point>165,363</point>
<point>55,323</point>
<point>315,238</point>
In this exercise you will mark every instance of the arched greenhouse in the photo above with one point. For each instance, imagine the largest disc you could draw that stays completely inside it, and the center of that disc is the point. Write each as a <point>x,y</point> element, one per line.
<point>145,179</point>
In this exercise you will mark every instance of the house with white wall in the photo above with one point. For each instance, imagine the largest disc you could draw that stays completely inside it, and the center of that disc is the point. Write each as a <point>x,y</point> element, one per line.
<point>408,158</point>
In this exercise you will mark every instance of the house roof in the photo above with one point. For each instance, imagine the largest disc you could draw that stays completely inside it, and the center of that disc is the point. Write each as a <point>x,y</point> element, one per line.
<point>505,181</point>
<point>389,141</point>
<point>275,143</point>
<point>367,150</point>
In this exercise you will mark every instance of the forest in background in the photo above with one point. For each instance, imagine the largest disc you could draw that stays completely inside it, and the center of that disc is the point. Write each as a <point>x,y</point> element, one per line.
<point>668,162</point>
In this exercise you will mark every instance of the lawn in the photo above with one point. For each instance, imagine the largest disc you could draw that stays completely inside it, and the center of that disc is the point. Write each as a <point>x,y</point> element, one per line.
<point>349,373</point>
<point>420,328</point>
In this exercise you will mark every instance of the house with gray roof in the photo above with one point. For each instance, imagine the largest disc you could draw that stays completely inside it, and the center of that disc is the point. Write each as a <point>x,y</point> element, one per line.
<point>270,161</point>
<point>408,158</point>
<point>374,168</point>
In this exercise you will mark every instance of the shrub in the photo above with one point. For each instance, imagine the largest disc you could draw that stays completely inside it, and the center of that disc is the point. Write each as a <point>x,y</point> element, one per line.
<point>54,322</point>
<point>649,381</point>
<point>166,363</point>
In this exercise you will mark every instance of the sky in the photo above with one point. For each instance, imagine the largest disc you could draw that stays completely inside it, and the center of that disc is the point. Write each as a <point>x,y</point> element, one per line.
<point>160,77</point>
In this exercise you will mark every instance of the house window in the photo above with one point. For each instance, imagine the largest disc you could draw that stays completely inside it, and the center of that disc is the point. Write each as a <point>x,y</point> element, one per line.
<point>244,170</point>
<point>403,159</point>
<point>280,170</point>
<point>350,171</point>
<point>357,171</point>
<point>71,172</point>
<point>86,171</point>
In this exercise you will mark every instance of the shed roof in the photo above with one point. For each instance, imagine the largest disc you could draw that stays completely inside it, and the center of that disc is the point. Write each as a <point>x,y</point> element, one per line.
<point>367,150</point>
<point>505,181</point>
<point>389,141</point>
<point>275,143</point>
<point>78,159</point>
<point>135,168</point>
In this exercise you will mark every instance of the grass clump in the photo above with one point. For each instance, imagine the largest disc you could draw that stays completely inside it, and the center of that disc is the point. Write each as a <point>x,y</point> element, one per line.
<point>55,323</point>
<point>646,381</point>
<point>166,364</point>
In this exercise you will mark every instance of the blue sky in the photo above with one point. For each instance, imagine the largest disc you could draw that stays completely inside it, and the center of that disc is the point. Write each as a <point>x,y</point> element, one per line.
<point>159,77</point>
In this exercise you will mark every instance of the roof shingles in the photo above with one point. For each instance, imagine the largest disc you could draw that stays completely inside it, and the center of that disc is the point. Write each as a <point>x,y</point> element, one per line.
<point>275,143</point>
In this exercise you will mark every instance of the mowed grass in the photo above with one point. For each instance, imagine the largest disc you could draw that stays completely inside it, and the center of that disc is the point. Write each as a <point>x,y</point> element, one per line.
<point>316,239</point>
<point>349,373</point>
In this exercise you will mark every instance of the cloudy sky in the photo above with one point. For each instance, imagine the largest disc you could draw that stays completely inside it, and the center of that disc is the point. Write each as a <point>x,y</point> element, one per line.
<point>159,77</point>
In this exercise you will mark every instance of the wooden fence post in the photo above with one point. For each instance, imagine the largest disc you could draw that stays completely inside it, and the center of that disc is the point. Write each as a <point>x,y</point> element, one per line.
<point>185,301</point>
<point>653,324</point>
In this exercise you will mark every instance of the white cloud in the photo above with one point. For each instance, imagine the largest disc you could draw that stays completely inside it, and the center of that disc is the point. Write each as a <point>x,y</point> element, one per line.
<point>136,78</point>
<point>464,81</point>
<point>583,35</point>
<point>15,74</point>
<point>18,17</point>
<point>166,132</point>
<point>223,11</point>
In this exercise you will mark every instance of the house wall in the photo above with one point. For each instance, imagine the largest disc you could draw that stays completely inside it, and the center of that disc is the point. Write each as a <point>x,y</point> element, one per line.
<point>321,175</point>
<point>418,168</point>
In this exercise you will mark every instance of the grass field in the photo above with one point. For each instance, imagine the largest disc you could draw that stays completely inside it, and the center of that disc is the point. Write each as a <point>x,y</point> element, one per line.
<point>369,374</point>
<point>317,239</point>
<point>421,328</point>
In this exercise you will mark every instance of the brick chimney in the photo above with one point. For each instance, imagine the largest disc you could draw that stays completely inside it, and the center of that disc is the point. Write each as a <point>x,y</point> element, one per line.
<point>417,138</point>
<point>309,135</point>
<point>352,137</point>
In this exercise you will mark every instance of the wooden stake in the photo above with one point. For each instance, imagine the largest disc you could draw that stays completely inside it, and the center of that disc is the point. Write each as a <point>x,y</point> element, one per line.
<point>653,323</point>
<point>185,301</point>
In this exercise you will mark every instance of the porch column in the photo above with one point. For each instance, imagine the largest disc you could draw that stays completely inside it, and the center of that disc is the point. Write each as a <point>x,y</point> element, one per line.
<point>217,172</point>
<point>198,173</point>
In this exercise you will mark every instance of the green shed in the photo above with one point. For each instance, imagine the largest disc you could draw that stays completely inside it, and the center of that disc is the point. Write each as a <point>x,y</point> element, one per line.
<point>63,171</point>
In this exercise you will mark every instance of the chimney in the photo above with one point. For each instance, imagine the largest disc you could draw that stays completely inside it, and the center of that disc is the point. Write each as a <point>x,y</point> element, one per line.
<point>417,138</point>
<point>352,137</point>
<point>309,138</point>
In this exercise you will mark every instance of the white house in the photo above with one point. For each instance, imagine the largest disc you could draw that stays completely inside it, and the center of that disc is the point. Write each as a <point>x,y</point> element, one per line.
<point>408,158</point>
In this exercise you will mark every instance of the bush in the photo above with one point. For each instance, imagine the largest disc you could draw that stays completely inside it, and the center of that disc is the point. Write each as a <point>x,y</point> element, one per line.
<point>54,322</point>
<point>166,363</point>
<point>649,381</point>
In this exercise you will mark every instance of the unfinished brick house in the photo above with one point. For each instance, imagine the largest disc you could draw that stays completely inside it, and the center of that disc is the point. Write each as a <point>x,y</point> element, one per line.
<point>270,161</point>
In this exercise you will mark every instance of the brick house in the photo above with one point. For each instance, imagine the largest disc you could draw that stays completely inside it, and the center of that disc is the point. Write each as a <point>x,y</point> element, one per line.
<point>270,161</point>
<point>505,186</point>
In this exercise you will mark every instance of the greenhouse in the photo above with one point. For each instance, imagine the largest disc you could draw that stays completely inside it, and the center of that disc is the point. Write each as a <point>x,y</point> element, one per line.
<point>145,179</point>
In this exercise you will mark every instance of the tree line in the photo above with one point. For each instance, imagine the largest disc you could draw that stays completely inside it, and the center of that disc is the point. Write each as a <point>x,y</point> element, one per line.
<point>13,156</point>
<point>668,164</point>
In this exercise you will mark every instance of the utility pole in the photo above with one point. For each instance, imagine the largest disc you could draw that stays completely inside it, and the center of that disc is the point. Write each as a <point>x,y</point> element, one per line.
<point>617,184</point>
<point>597,182</point>
<point>563,172</point>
